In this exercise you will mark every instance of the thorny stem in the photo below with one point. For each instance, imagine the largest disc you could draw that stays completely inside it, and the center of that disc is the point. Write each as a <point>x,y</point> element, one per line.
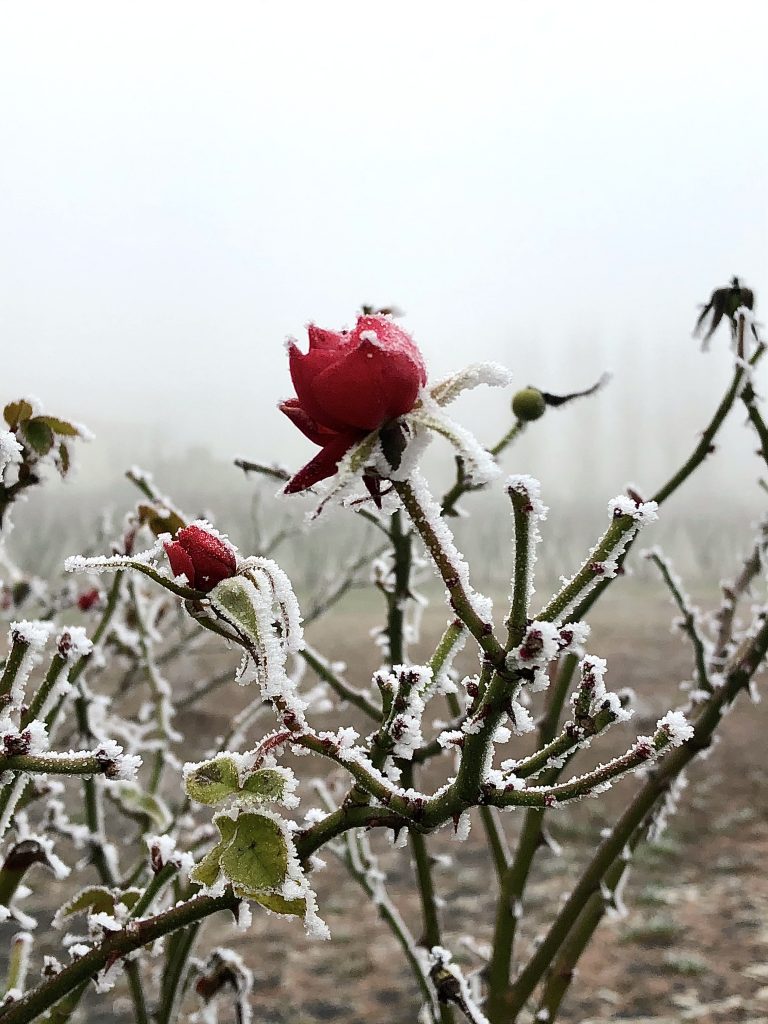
<point>157,686</point>
<point>619,532</point>
<point>560,974</point>
<point>52,676</point>
<point>363,868</point>
<point>461,601</point>
<point>612,846</point>
<point>704,445</point>
<point>756,419</point>
<point>521,585</point>
<point>531,834</point>
<point>689,622</point>
<point>55,764</point>
<point>117,944</point>
<point>19,648</point>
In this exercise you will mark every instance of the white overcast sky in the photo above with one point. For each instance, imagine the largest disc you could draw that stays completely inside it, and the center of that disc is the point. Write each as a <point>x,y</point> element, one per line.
<point>552,185</point>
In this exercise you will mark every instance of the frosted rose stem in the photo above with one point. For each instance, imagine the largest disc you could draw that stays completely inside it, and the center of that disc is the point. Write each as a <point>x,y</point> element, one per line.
<point>505,1006</point>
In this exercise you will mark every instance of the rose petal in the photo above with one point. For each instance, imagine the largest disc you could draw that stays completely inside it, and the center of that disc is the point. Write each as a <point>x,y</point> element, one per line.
<point>392,338</point>
<point>367,387</point>
<point>305,367</point>
<point>293,410</point>
<point>323,465</point>
<point>181,562</point>
<point>213,560</point>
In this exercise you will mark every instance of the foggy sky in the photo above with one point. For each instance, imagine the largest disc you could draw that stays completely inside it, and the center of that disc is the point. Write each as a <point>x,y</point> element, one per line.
<point>554,186</point>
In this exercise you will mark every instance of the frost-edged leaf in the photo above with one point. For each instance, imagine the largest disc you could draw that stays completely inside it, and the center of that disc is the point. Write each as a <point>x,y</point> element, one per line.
<point>362,452</point>
<point>62,427</point>
<point>394,441</point>
<point>257,858</point>
<point>144,808</point>
<point>207,870</point>
<point>233,598</point>
<point>38,435</point>
<point>266,784</point>
<point>94,899</point>
<point>129,898</point>
<point>448,390</point>
<point>212,781</point>
<point>279,904</point>
<point>17,412</point>
<point>160,520</point>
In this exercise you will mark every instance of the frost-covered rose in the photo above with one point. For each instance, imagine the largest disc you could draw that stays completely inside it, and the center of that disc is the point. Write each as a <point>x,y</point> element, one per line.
<point>348,384</point>
<point>203,557</point>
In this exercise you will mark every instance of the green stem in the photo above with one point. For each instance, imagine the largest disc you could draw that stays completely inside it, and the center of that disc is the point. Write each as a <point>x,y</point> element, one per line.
<point>175,973</point>
<point>521,585</point>
<point>612,846</point>
<point>609,547</point>
<point>47,764</point>
<point>19,648</point>
<point>114,946</point>
<point>704,446</point>
<point>52,676</point>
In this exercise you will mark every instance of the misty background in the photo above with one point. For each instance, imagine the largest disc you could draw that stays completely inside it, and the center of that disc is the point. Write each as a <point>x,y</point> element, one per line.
<point>556,187</point>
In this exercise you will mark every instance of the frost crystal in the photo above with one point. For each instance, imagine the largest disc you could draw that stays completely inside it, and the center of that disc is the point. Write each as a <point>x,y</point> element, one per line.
<point>644,513</point>
<point>434,521</point>
<point>10,450</point>
<point>676,726</point>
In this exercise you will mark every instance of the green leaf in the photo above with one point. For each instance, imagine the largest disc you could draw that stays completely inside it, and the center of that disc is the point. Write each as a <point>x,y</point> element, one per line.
<point>362,452</point>
<point>38,434</point>
<point>94,899</point>
<point>64,461</point>
<point>265,784</point>
<point>257,858</point>
<point>16,412</point>
<point>279,904</point>
<point>160,521</point>
<point>213,781</point>
<point>58,426</point>
<point>145,808</point>
<point>129,897</point>
<point>233,598</point>
<point>207,870</point>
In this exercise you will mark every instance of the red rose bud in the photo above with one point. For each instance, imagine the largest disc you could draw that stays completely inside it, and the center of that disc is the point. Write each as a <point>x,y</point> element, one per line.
<point>202,557</point>
<point>347,385</point>
<point>88,599</point>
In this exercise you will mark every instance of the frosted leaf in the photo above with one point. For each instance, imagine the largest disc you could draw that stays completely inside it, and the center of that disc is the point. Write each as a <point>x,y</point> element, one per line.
<point>249,603</point>
<point>479,464</point>
<point>448,389</point>
<point>448,977</point>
